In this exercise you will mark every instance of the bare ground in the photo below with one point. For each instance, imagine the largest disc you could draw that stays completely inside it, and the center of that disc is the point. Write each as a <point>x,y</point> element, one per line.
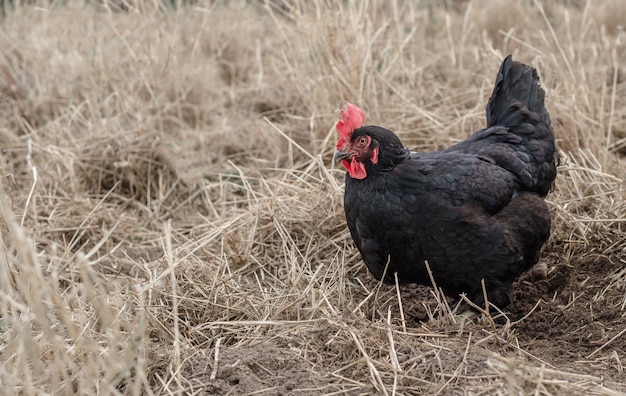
<point>556,326</point>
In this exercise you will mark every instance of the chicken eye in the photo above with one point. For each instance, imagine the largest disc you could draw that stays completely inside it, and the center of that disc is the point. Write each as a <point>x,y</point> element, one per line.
<point>362,141</point>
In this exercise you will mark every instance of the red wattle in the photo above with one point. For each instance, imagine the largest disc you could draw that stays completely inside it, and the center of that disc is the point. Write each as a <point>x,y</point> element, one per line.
<point>355,168</point>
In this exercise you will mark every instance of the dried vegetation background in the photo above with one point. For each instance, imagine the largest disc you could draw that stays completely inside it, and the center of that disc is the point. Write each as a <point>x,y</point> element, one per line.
<point>171,221</point>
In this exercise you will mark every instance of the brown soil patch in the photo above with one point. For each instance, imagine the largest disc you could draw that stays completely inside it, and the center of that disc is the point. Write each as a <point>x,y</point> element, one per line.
<point>264,368</point>
<point>571,322</point>
<point>579,321</point>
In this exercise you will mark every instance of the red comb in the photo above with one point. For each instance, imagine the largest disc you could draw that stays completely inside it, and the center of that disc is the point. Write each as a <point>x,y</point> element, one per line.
<point>352,118</point>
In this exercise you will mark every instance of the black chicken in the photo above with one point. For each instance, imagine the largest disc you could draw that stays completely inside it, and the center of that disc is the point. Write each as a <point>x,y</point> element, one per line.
<point>474,211</point>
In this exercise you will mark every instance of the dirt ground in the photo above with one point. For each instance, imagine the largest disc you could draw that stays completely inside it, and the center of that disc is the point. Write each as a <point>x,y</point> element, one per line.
<point>578,316</point>
<point>563,322</point>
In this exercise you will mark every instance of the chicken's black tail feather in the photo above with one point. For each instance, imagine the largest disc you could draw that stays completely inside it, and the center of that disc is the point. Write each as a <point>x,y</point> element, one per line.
<point>517,97</point>
<point>517,104</point>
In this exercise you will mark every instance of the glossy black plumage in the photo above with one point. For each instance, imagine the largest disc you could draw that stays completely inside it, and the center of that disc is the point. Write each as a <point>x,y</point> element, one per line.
<point>474,211</point>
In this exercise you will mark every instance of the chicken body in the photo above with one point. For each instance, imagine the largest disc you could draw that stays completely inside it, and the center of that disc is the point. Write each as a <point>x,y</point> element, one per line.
<point>474,211</point>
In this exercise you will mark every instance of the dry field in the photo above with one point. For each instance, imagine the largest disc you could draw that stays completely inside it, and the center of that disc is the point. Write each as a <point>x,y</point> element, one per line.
<point>171,221</point>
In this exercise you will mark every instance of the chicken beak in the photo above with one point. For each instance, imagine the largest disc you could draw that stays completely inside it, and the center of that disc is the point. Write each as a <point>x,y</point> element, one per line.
<point>341,155</point>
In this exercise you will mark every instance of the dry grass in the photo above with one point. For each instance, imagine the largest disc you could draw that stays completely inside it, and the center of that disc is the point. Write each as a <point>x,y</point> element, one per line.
<point>172,223</point>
